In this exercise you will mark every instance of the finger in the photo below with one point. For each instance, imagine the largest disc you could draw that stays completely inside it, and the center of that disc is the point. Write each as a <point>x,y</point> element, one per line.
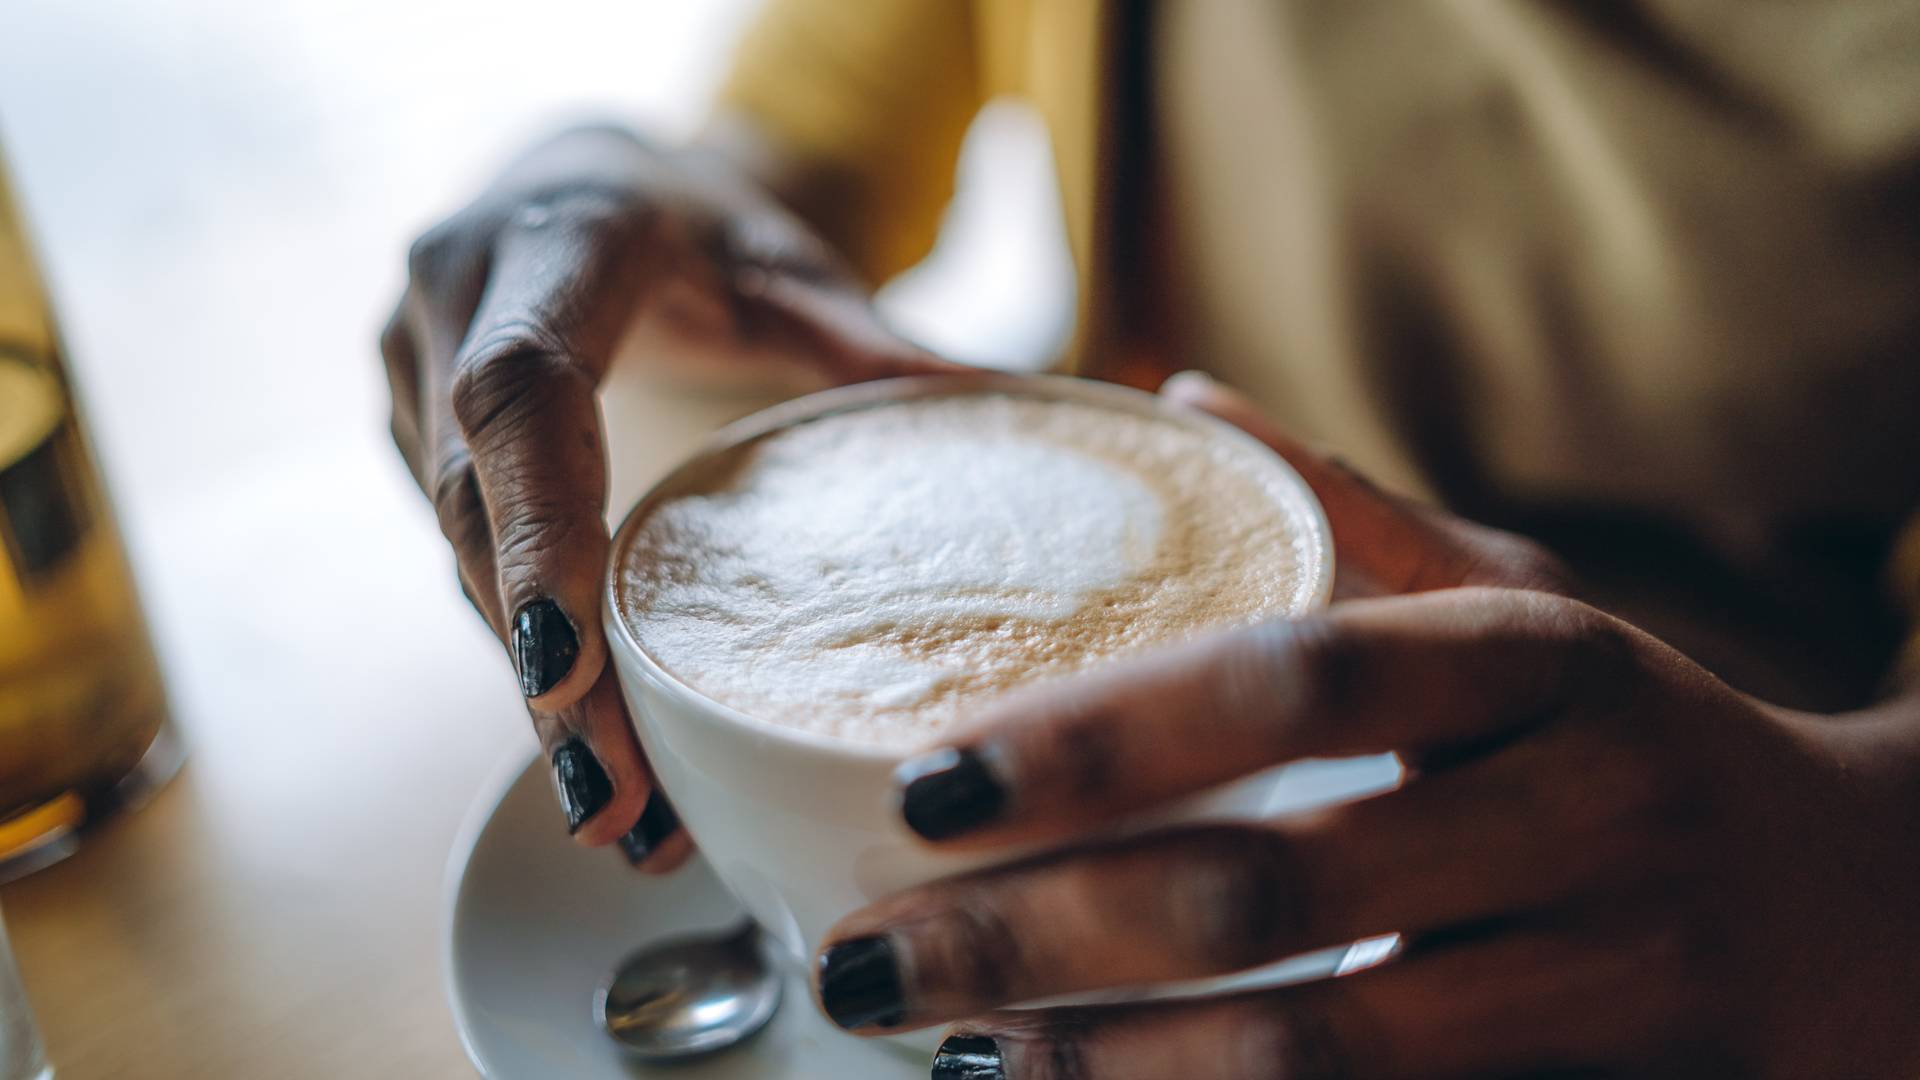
<point>599,774</point>
<point>1528,1002</point>
<point>1431,674</point>
<point>836,329</point>
<point>1387,544</point>
<point>401,359</point>
<point>657,844</point>
<point>462,515</point>
<point>446,280</point>
<point>1478,843</point>
<point>766,299</point>
<point>560,288</point>
<point>671,855</point>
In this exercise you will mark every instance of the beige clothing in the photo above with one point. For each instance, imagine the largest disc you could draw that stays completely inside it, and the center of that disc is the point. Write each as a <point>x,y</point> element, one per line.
<point>1643,276</point>
<point>1637,276</point>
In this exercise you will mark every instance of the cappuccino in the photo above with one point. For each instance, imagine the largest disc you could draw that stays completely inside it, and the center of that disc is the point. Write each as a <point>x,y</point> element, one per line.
<point>874,574</point>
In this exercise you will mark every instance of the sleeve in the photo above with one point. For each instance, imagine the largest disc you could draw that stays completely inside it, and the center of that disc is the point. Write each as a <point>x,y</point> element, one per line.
<point>870,98</point>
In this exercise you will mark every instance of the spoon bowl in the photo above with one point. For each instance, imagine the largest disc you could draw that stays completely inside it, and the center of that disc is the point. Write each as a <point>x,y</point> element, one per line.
<point>689,997</point>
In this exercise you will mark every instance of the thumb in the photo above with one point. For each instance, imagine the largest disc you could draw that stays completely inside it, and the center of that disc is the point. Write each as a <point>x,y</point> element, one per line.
<point>1385,543</point>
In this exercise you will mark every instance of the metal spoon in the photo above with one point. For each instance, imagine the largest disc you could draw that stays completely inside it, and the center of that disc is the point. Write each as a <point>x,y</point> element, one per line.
<point>692,996</point>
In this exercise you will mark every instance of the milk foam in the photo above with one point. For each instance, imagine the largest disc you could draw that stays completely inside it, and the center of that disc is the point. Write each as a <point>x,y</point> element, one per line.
<point>874,575</point>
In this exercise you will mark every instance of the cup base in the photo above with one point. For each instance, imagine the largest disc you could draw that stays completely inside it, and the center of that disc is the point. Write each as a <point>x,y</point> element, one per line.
<point>49,831</point>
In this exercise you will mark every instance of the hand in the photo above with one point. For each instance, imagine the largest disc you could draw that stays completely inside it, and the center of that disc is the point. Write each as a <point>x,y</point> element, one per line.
<point>512,312</point>
<point>1604,861</point>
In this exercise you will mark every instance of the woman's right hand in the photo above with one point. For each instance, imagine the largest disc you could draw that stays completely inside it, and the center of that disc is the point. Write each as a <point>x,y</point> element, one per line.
<point>512,311</point>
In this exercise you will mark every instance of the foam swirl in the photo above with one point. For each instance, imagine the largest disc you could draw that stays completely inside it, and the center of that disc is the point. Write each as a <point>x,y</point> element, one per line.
<point>875,574</point>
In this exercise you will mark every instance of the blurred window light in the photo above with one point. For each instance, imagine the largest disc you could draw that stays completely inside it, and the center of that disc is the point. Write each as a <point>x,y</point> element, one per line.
<point>998,289</point>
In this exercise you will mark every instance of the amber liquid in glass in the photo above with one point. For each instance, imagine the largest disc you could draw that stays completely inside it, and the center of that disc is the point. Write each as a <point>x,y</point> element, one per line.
<point>82,707</point>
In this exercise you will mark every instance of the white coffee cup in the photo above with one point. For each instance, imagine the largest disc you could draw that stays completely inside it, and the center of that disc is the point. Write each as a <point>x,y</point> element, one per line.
<point>802,827</point>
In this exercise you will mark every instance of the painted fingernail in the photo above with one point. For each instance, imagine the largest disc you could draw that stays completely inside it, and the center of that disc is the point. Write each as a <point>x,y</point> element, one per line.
<point>544,646</point>
<point>968,1057</point>
<point>860,984</point>
<point>657,822</point>
<point>948,792</point>
<point>580,781</point>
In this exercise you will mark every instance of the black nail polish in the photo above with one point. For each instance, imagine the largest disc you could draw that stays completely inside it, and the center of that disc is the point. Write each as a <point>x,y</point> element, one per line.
<point>860,984</point>
<point>968,1057</point>
<point>948,792</point>
<point>657,822</point>
<point>544,646</point>
<point>582,784</point>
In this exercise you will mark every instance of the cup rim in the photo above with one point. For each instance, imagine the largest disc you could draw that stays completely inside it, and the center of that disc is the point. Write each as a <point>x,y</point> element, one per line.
<point>875,393</point>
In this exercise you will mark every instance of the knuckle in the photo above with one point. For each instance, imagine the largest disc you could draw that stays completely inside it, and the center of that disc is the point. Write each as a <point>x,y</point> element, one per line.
<point>1308,667</point>
<point>530,528</point>
<point>1061,1053</point>
<point>1512,561</point>
<point>506,378</point>
<point>1603,651</point>
<point>432,256</point>
<point>1561,621</point>
<point>457,504</point>
<point>1589,658</point>
<point>1253,677</point>
<point>396,345</point>
<point>1086,747</point>
<point>979,955</point>
<point>588,205</point>
<point>1239,899</point>
<point>1533,567</point>
<point>590,217</point>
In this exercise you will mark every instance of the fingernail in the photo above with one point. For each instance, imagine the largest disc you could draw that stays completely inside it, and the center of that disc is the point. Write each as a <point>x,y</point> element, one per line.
<point>544,646</point>
<point>968,1057</point>
<point>656,823</point>
<point>860,984</point>
<point>948,792</point>
<point>580,781</point>
<point>1188,383</point>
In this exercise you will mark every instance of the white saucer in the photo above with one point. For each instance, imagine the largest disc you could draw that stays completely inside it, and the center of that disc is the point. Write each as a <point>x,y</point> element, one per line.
<point>534,922</point>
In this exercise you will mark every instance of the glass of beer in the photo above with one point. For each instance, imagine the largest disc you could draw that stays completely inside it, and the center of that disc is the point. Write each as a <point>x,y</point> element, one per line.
<point>83,712</point>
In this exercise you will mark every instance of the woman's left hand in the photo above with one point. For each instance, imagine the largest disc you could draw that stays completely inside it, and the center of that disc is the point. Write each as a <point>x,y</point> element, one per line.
<point>1604,861</point>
